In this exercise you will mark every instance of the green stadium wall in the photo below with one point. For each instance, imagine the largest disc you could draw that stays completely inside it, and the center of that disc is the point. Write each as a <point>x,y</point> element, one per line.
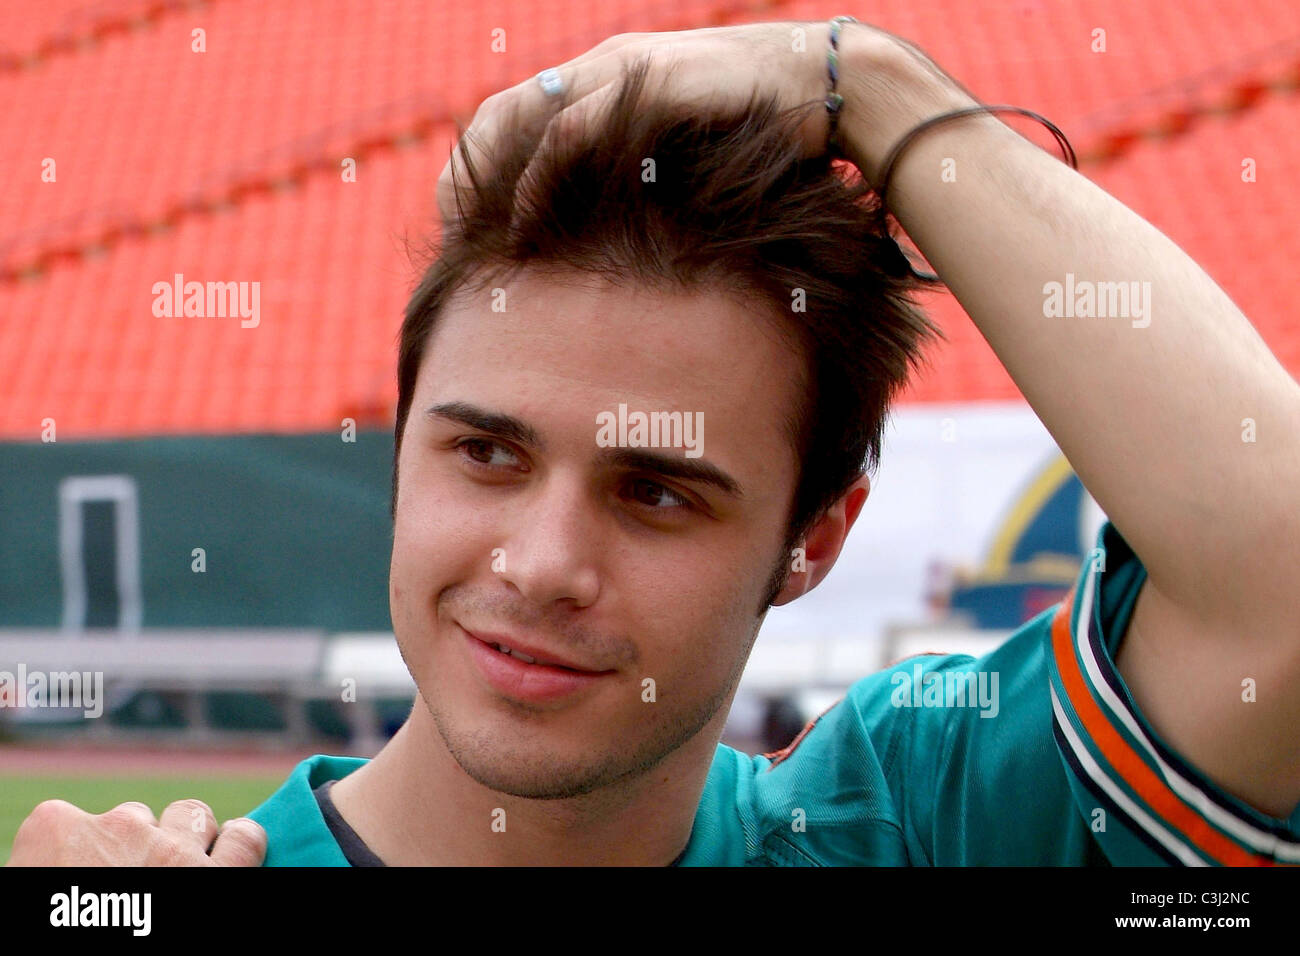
<point>295,531</point>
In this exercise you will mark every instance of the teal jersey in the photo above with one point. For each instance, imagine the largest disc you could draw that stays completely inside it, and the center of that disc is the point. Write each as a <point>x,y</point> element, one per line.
<point>1034,754</point>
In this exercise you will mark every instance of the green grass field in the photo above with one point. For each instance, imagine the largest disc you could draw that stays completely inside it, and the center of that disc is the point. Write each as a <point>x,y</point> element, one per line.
<point>228,796</point>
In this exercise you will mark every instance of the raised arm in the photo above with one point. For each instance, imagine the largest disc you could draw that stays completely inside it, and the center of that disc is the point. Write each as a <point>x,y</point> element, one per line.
<point>1150,405</point>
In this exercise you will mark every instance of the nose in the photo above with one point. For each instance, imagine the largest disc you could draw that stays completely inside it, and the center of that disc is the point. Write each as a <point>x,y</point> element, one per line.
<point>551,553</point>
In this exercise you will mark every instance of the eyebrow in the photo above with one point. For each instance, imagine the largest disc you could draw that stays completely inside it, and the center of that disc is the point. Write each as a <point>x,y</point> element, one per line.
<point>630,459</point>
<point>494,423</point>
<point>670,466</point>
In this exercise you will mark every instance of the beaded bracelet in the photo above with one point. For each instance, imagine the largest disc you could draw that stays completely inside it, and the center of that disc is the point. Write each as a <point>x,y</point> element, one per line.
<point>834,100</point>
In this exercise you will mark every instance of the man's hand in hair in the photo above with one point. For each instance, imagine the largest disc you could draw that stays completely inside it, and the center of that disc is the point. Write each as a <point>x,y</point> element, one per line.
<point>709,70</point>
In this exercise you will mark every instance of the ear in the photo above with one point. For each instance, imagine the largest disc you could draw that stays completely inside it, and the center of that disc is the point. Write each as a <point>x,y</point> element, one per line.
<point>822,544</point>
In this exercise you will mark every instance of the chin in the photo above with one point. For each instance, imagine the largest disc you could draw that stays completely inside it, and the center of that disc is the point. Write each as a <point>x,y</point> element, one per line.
<point>532,774</point>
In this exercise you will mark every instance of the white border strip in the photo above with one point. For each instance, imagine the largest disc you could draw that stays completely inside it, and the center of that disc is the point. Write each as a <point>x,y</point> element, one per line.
<point>1261,841</point>
<point>1176,846</point>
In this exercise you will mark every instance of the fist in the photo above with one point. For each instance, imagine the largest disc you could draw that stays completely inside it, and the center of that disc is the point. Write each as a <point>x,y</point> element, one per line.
<point>57,833</point>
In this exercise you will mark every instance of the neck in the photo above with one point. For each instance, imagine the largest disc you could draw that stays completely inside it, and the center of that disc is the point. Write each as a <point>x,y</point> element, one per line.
<point>413,805</point>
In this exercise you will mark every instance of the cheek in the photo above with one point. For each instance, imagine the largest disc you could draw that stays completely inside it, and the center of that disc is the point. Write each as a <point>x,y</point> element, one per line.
<point>431,528</point>
<point>427,557</point>
<point>702,623</point>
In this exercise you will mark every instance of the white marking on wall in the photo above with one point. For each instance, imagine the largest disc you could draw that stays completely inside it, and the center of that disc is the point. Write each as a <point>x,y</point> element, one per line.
<point>119,490</point>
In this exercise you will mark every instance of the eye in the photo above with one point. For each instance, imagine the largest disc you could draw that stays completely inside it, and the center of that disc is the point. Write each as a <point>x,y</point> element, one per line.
<point>657,496</point>
<point>486,453</point>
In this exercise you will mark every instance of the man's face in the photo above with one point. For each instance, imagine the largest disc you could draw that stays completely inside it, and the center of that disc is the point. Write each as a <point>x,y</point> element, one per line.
<point>516,525</point>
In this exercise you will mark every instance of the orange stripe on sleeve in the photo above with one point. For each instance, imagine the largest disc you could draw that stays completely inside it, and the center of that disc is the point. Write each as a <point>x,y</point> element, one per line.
<point>1129,764</point>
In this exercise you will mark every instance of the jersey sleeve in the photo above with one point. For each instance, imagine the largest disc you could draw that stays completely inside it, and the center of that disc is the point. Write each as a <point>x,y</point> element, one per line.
<point>1145,803</point>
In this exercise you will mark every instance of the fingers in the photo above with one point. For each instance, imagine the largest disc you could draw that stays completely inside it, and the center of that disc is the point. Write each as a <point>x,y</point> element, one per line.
<point>570,122</point>
<point>191,820</point>
<point>40,836</point>
<point>122,836</point>
<point>524,106</point>
<point>127,817</point>
<point>240,843</point>
<point>51,815</point>
<point>56,833</point>
<point>573,119</point>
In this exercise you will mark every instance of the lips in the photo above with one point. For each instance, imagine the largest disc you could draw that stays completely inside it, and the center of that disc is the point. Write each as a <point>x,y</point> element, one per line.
<point>529,653</point>
<point>531,678</point>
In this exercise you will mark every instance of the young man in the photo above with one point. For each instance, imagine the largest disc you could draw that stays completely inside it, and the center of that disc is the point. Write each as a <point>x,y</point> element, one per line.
<point>576,597</point>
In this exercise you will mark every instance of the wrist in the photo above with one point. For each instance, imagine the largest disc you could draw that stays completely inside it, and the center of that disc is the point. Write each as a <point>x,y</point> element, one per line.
<point>888,89</point>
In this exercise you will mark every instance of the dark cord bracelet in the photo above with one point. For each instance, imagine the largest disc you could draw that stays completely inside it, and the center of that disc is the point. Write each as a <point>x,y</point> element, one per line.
<point>891,160</point>
<point>835,103</point>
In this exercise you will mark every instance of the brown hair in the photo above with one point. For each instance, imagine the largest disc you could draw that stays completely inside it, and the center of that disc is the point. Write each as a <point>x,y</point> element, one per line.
<point>732,207</point>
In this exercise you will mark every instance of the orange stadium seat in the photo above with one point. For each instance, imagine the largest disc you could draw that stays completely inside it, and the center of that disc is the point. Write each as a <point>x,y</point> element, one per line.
<point>225,165</point>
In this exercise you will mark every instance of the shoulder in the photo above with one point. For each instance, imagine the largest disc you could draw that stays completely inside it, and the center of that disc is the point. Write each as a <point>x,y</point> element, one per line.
<point>918,762</point>
<point>296,832</point>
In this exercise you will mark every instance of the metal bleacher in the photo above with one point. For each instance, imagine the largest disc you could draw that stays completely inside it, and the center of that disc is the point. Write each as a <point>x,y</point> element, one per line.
<point>291,666</point>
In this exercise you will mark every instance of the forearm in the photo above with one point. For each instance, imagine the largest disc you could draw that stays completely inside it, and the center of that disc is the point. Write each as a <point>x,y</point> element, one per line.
<point>1149,405</point>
